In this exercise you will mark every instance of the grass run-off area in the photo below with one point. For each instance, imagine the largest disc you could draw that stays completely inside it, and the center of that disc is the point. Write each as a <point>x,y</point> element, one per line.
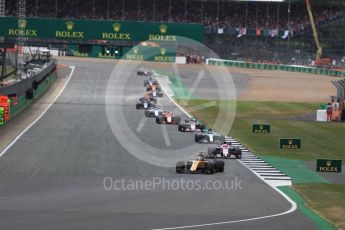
<point>287,120</point>
<point>326,200</point>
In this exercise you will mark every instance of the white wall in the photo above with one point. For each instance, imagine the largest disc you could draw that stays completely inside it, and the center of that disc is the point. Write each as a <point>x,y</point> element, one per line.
<point>181,60</point>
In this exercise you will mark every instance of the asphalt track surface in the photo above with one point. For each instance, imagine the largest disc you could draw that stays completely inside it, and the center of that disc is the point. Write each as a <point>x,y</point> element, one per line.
<point>52,177</point>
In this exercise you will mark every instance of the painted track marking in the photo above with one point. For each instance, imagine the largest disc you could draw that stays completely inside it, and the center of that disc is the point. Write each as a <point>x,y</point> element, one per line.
<point>39,117</point>
<point>141,124</point>
<point>293,204</point>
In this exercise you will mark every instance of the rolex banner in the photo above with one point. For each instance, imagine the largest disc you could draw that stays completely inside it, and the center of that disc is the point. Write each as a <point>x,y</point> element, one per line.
<point>146,53</point>
<point>260,128</point>
<point>290,143</point>
<point>326,165</point>
<point>67,29</point>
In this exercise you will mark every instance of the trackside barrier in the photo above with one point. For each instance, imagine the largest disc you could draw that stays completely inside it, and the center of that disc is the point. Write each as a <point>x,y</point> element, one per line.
<point>290,68</point>
<point>22,102</point>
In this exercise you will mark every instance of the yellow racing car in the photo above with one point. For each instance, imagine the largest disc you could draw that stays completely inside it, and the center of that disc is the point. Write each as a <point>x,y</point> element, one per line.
<point>200,165</point>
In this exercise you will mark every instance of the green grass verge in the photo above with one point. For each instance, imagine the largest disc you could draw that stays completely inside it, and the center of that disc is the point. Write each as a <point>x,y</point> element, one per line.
<point>177,86</point>
<point>326,200</point>
<point>296,169</point>
<point>312,215</point>
<point>287,120</point>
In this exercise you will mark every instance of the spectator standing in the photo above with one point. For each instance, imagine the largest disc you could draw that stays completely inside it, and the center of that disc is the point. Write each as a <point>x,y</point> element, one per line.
<point>329,112</point>
<point>335,105</point>
<point>336,114</point>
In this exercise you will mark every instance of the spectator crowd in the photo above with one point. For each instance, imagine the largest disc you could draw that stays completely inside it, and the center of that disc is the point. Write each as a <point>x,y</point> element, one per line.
<point>215,14</point>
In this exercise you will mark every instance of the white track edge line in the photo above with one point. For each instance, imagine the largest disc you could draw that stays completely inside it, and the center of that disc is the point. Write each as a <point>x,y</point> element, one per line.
<point>39,117</point>
<point>293,204</point>
<point>182,109</point>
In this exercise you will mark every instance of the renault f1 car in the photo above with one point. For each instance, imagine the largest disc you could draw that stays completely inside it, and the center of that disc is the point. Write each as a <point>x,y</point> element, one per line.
<point>209,136</point>
<point>144,103</point>
<point>153,111</point>
<point>167,118</point>
<point>223,151</point>
<point>200,165</point>
<point>190,125</point>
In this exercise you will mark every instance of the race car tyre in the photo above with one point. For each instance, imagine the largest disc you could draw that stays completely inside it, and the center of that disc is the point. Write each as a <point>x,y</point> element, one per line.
<point>175,120</point>
<point>219,166</point>
<point>238,153</point>
<point>210,167</point>
<point>222,138</point>
<point>210,150</point>
<point>137,106</point>
<point>210,156</point>
<point>180,167</point>
<point>160,120</point>
<point>238,150</point>
<point>204,140</point>
<point>202,127</point>
<point>201,139</point>
<point>181,128</point>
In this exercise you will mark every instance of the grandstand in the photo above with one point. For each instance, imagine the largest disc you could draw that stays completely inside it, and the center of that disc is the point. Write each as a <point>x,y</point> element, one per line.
<point>278,32</point>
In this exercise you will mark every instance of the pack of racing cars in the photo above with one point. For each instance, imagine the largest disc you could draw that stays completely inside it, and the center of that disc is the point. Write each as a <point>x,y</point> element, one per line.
<point>149,101</point>
<point>152,87</point>
<point>205,163</point>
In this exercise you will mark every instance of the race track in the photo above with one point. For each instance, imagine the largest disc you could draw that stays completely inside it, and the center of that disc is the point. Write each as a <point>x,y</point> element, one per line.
<point>52,177</point>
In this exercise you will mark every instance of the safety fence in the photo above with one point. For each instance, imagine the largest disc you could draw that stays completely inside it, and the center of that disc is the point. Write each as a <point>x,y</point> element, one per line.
<point>266,66</point>
<point>18,104</point>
